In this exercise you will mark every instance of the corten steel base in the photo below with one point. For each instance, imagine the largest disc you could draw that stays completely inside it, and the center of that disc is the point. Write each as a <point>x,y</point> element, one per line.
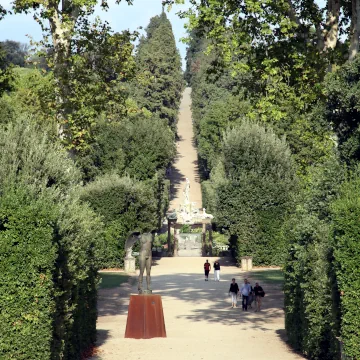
<point>145,317</point>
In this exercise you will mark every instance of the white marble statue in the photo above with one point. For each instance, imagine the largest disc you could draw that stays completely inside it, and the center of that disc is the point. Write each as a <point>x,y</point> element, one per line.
<point>205,215</point>
<point>187,192</point>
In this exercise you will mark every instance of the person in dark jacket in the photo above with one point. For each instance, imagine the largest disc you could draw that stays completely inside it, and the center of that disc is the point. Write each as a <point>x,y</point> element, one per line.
<point>216,271</point>
<point>233,291</point>
<point>259,294</point>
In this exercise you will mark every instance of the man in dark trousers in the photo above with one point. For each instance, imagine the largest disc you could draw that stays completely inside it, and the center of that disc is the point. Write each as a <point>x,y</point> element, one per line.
<point>245,292</point>
<point>207,268</point>
<point>216,271</point>
<point>259,294</point>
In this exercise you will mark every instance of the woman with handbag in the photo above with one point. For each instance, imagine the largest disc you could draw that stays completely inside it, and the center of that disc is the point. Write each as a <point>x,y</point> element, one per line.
<point>259,294</point>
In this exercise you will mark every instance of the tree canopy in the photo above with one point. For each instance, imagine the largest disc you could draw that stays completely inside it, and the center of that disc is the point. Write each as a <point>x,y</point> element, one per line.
<point>159,61</point>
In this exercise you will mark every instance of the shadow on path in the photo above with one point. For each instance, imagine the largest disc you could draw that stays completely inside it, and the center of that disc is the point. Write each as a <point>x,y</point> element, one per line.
<point>190,299</point>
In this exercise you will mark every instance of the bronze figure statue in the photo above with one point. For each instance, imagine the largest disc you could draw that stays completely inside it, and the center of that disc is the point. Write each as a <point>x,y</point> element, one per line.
<point>145,260</point>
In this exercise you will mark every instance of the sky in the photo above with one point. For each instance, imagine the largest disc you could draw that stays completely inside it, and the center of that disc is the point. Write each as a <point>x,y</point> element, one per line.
<point>120,17</point>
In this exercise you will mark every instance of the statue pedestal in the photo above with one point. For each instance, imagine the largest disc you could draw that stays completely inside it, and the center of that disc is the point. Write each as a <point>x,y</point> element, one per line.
<point>145,317</point>
<point>246,263</point>
<point>129,265</point>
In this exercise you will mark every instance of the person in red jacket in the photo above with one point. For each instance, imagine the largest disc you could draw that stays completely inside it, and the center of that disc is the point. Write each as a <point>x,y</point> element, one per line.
<point>207,268</point>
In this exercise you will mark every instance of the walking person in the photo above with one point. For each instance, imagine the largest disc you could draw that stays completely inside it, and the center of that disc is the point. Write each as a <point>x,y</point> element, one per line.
<point>216,271</point>
<point>245,292</point>
<point>207,268</point>
<point>259,294</point>
<point>233,291</point>
<point>251,296</point>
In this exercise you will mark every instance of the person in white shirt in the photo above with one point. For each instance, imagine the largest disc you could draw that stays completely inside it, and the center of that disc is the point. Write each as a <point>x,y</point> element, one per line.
<point>245,292</point>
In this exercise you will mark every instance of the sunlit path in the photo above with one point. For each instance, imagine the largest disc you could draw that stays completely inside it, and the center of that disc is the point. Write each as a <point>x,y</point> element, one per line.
<point>186,162</point>
<point>199,321</point>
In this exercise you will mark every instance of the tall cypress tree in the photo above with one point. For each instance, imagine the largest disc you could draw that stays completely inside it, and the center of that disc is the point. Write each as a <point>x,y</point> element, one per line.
<point>158,57</point>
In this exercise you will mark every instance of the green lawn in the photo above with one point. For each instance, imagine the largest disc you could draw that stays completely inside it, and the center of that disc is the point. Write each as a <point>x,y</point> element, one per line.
<point>267,276</point>
<point>112,279</point>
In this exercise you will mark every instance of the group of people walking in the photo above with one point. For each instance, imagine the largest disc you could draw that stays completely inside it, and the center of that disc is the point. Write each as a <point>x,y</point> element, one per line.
<point>248,293</point>
<point>207,268</point>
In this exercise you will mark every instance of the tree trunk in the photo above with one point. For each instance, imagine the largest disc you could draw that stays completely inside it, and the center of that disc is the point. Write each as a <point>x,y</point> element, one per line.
<point>61,32</point>
<point>331,32</point>
<point>354,29</point>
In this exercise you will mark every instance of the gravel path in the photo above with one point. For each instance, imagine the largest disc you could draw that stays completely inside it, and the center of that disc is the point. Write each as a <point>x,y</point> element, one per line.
<point>186,162</point>
<point>199,321</point>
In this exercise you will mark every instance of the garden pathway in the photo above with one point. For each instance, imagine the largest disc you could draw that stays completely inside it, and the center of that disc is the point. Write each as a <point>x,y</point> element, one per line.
<point>186,162</point>
<point>199,321</point>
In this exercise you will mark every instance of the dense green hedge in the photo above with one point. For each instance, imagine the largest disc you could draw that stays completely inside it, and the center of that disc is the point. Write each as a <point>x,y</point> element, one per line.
<point>126,205</point>
<point>253,186</point>
<point>208,196</point>
<point>161,187</point>
<point>50,245</point>
<point>27,257</point>
<point>310,289</point>
<point>346,225</point>
<point>137,146</point>
<point>312,319</point>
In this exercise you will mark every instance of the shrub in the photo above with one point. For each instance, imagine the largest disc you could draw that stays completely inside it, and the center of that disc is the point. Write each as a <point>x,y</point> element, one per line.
<point>310,288</point>
<point>161,188</point>
<point>254,184</point>
<point>50,242</point>
<point>27,257</point>
<point>126,206</point>
<point>220,238</point>
<point>219,116</point>
<point>160,240</point>
<point>185,229</point>
<point>7,112</point>
<point>311,294</point>
<point>208,196</point>
<point>139,147</point>
<point>33,96</point>
<point>342,101</point>
<point>346,214</point>
<point>28,157</point>
<point>79,257</point>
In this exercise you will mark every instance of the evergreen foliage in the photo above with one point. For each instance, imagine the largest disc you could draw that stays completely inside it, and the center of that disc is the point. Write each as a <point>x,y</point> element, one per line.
<point>32,96</point>
<point>278,55</point>
<point>6,73</point>
<point>311,294</point>
<point>158,59</point>
<point>27,254</point>
<point>342,105</point>
<point>345,212</point>
<point>137,146</point>
<point>220,115</point>
<point>125,206</point>
<point>56,233</point>
<point>15,51</point>
<point>50,251</point>
<point>254,184</point>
